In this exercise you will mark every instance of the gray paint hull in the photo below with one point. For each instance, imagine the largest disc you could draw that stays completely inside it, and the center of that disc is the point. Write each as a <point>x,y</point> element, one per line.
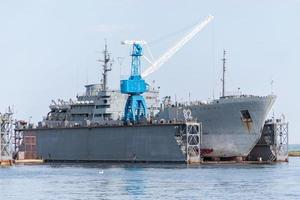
<point>224,132</point>
<point>151,143</point>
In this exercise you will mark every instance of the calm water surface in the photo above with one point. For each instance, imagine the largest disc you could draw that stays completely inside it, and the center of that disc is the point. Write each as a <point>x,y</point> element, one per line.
<point>294,147</point>
<point>140,181</point>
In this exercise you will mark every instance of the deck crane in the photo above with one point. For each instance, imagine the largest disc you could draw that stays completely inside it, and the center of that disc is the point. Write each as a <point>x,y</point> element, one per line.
<point>135,108</point>
<point>166,56</point>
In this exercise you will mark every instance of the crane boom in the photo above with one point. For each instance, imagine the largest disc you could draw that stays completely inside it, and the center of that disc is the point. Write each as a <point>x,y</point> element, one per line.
<point>166,56</point>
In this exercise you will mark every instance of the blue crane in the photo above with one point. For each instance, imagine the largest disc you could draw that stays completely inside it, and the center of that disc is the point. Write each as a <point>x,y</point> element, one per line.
<point>135,86</point>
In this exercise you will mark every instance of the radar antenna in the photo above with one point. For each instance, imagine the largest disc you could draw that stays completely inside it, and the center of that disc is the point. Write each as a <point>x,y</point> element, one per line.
<point>107,64</point>
<point>224,69</point>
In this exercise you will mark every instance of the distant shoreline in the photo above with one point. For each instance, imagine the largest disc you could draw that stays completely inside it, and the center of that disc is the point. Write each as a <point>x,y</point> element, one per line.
<point>294,147</point>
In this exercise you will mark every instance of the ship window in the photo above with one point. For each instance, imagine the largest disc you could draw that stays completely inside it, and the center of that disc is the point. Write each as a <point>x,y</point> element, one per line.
<point>98,115</point>
<point>246,115</point>
<point>102,106</point>
<point>107,115</point>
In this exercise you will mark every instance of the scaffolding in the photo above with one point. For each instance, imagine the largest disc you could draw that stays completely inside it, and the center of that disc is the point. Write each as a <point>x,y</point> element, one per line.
<point>18,138</point>
<point>6,134</point>
<point>273,144</point>
<point>280,147</point>
<point>190,139</point>
<point>193,137</point>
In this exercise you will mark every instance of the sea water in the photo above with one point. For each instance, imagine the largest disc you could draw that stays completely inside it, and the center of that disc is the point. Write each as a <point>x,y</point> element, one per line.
<point>59,181</point>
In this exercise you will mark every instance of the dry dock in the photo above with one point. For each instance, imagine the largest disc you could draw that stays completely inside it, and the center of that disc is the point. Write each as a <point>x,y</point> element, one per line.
<point>29,161</point>
<point>294,153</point>
<point>6,162</point>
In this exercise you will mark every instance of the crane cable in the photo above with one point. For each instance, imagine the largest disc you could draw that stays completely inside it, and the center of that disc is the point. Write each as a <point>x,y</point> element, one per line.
<point>163,38</point>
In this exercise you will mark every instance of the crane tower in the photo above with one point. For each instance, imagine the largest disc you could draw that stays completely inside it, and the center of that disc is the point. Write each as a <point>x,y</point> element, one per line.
<point>135,108</point>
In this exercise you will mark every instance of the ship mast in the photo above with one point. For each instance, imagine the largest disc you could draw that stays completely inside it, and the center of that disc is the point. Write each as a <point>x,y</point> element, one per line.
<point>224,69</point>
<point>107,63</point>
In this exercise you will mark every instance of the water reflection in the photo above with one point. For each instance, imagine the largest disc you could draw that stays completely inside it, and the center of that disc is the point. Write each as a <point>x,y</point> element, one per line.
<point>151,181</point>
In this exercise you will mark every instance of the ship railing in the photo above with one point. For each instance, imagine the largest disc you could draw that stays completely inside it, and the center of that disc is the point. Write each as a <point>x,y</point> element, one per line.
<point>83,102</point>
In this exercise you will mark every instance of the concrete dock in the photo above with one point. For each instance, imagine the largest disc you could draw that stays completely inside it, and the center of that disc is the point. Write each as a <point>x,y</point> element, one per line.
<point>29,161</point>
<point>294,153</point>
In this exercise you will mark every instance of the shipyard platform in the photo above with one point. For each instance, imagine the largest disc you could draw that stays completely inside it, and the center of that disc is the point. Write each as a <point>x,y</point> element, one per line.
<point>168,142</point>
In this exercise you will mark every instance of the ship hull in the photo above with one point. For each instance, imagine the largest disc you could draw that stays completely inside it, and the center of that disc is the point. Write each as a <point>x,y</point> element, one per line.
<point>225,132</point>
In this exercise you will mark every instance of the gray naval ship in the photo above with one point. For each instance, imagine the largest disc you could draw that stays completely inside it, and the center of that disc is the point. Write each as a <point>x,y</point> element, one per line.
<point>91,127</point>
<point>232,125</point>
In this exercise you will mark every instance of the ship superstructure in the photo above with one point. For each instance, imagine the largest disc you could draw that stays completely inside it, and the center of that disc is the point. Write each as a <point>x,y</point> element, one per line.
<point>98,105</point>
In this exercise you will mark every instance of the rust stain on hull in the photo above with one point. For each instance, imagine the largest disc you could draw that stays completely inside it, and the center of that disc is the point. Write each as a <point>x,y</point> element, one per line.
<point>205,152</point>
<point>247,124</point>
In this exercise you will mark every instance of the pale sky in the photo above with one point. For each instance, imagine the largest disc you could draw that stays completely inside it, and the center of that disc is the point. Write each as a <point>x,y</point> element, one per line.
<point>49,49</point>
